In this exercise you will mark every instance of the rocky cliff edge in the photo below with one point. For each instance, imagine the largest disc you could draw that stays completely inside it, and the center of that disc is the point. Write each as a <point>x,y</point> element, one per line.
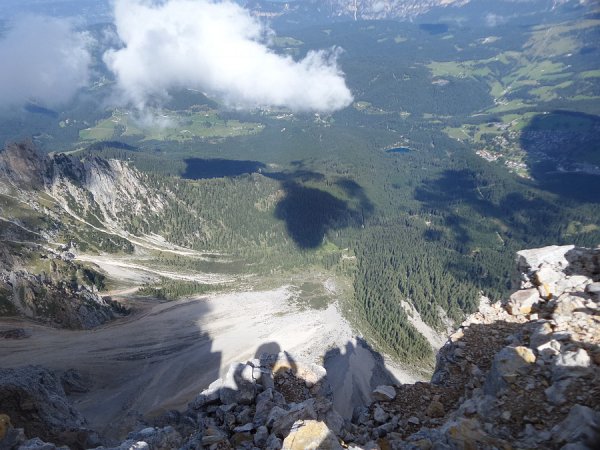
<point>524,373</point>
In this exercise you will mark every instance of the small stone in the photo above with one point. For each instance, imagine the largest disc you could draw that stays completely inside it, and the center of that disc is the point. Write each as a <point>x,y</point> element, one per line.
<point>457,336</point>
<point>299,411</point>
<point>506,416</point>
<point>274,415</point>
<point>147,432</point>
<point>334,421</point>
<point>384,393</point>
<point>555,394</point>
<point>380,415</point>
<point>213,435</point>
<point>547,277</point>
<point>273,443</point>
<point>436,409</point>
<point>549,349</point>
<point>38,444</point>
<point>207,396</point>
<point>245,416</point>
<point>423,444</point>
<point>571,363</point>
<point>261,436</point>
<point>414,420</point>
<point>238,440</point>
<point>594,290</point>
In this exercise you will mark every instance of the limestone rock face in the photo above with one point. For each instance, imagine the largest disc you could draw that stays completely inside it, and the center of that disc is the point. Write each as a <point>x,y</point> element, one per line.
<point>552,256</point>
<point>22,165</point>
<point>34,400</point>
<point>55,302</point>
<point>57,290</point>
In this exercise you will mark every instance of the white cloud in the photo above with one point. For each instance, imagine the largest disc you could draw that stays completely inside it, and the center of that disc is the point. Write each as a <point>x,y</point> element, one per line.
<point>218,48</point>
<point>44,60</point>
<point>493,20</point>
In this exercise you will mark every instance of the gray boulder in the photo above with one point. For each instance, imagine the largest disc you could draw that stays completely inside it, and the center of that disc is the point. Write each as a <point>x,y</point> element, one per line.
<point>522,302</point>
<point>509,363</point>
<point>299,411</point>
<point>571,363</point>
<point>239,385</point>
<point>582,425</point>
<point>384,393</point>
<point>208,395</point>
<point>553,255</point>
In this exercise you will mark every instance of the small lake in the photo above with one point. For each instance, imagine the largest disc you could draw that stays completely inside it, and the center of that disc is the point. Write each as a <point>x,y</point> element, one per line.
<point>398,150</point>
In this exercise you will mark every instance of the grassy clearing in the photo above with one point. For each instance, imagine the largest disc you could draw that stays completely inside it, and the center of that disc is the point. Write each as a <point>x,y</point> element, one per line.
<point>455,69</point>
<point>590,74</point>
<point>508,106</point>
<point>368,108</point>
<point>458,133</point>
<point>176,126</point>
<point>103,131</point>
<point>558,39</point>
<point>535,67</point>
<point>286,41</point>
<point>539,70</point>
<point>547,93</point>
<point>575,227</point>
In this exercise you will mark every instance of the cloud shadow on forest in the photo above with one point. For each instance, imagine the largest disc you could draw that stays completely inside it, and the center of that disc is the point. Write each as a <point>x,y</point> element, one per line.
<point>310,212</point>
<point>457,194</point>
<point>199,169</point>
<point>308,208</point>
<point>561,147</point>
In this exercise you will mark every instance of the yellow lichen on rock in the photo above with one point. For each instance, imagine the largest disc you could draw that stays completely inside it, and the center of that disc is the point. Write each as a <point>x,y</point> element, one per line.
<point>311,435</point>
<point>526,354</point>
<point>5,425</point>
